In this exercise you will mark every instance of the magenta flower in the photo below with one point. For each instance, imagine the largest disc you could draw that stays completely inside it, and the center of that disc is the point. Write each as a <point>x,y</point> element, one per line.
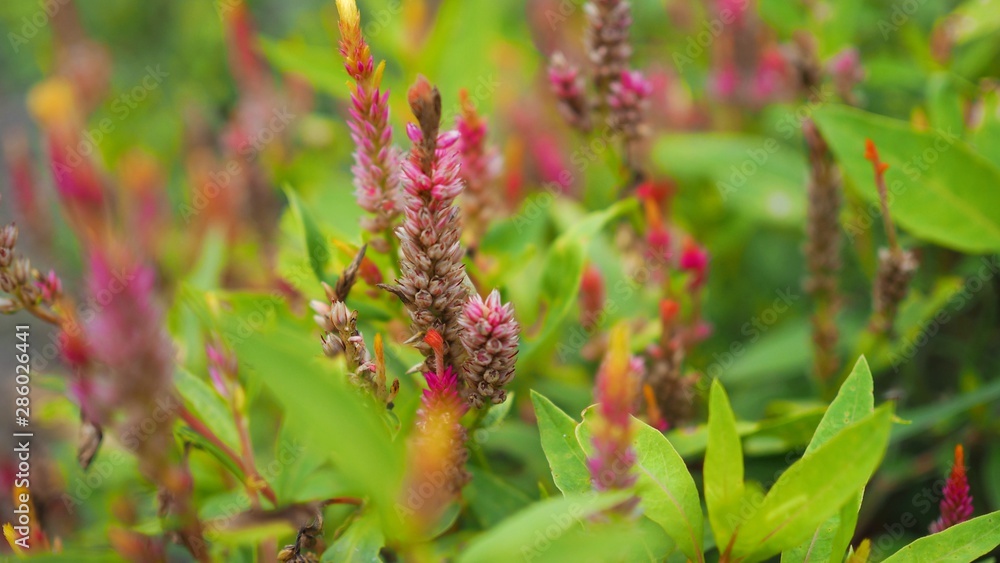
<point>480,166</point>
<point>694,259</point>
<point>627,100</point>
<point>490,336</point>
<point>568,86</point>
<point>956,506</point>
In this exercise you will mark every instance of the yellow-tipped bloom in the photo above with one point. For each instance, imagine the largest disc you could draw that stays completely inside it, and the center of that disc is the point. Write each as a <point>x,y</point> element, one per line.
<point>11,537</point>
<point>52,102</point>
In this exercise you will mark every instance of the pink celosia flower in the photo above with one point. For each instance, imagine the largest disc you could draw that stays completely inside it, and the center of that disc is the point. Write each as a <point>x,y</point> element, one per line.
<point>694,259</point>
<point>615,393</point>
<point>956,506</point>
<point>769,76</point>
<point>480,166</point>
<point>376,162</point>
<point>490,336</point>
<point>724,81</point>
<point>567,85</point>
<point>591,297</point>
<point>627,99</point>
<point>608,46</point>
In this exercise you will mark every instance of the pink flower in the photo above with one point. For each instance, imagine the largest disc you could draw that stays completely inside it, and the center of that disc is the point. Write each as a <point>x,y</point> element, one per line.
<point>627,100</point>
<point>694,259</point>
<point>489,334</point>
<point>480,166</point>
<point>567,85</point>
<point>956,506</point>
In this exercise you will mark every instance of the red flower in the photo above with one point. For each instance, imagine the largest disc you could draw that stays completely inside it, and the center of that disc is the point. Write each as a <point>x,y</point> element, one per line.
<point>956,506</point>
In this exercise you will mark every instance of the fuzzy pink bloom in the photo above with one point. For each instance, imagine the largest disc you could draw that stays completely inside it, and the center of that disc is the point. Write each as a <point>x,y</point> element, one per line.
<point>490,335</point>
<point>694,259</point>
<point>616,394</point>
<point>847,72</point>
<point>480,167</point>
<point>568,87</point>
<point>592,296</point>
<point>627,100</point>
<point>956,506</point>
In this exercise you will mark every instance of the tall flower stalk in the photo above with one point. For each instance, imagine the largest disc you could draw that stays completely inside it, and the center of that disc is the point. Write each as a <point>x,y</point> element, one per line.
<point>376,162</point>
<point>432,282</point>
<point>608,23</point>
<point>896,266</point>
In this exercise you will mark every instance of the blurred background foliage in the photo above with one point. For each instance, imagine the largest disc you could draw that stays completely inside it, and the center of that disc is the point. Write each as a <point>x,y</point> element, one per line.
<point>947,385</point>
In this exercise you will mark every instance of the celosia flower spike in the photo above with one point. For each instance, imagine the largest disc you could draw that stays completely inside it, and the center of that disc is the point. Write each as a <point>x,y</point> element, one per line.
<point>437,453</point>
<point>480,168</point>
<point>432,281</point>
<point>490,336</point>
<point>627,100</point>
<point>568,87</point>
<point>608,44</point>
<point>616,394</point>
<point>956,506</point>
<point>376,162</point>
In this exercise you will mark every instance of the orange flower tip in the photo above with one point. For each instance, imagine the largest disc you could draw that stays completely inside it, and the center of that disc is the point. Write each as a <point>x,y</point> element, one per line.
<point>959,457</point>
<point>871,153</point>
<point>668,310</point>
<point>421,91</point>
<point>435,341</point>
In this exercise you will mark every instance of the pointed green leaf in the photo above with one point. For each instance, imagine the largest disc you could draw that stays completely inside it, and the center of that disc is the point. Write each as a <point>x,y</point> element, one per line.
<point>565,456</point>
<point>962,543</point>
<point>558,529</point>
<point>723,466</point>
<point>315,242</point>
<point>853,402</point>
<point>941,191</point>
<point>360,542</point>
<point>814,488</point>
<point>669,495</point>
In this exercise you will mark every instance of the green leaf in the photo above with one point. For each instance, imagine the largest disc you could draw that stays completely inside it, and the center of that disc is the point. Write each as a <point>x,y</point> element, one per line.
<point>557,529</point>
<point>723,466</point>
<point>360,542</point>
<point>814,488</point>
<point>961,543</point>
<point>491,499</point>
<point>940,191</point>
<point>667,491</point>
<point>497,413</point>
<point>207,405</point>
<point>853,402</point>
<point>562,450</point>
<point>329,415</point>
<point>315,242</point>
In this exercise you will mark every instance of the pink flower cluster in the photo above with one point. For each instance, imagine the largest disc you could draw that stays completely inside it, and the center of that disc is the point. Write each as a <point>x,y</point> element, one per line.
<point>490,336</point>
